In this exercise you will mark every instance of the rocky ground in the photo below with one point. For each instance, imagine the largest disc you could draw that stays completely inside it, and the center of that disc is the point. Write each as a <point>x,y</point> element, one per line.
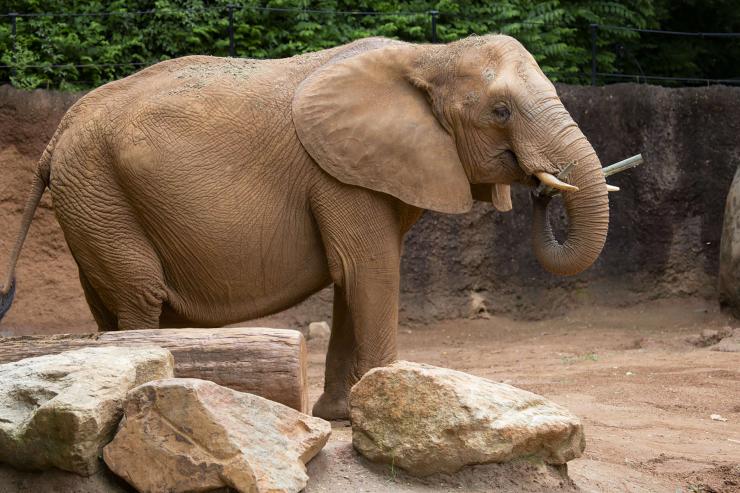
<point>661,410</point>
<point>644,393</point>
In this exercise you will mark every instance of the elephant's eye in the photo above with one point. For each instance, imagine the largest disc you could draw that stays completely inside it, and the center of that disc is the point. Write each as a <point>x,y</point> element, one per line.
<point>501,113</point>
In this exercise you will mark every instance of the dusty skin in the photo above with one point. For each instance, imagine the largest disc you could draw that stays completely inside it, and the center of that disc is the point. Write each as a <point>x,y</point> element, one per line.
<point>644,394</point>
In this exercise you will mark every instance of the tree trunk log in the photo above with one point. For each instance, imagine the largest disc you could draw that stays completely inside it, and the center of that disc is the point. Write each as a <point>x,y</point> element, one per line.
<point>270,363</point>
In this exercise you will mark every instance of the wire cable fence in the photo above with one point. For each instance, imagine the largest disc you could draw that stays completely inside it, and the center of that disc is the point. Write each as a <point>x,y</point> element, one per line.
<point>595,29</point>
<point>605,53</point>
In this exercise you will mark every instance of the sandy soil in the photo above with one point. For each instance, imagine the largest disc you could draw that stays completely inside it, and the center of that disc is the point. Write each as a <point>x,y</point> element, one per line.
<point>645,395</point>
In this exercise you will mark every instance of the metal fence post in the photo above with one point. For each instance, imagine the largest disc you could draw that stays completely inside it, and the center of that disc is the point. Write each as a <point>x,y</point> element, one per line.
<point>13,17</point>
<point>594,36</point>
<point>434,14</point>
<point>231,29</point>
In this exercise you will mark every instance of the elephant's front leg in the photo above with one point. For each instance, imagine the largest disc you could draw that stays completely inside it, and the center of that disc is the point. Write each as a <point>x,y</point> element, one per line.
<point>363,246</point>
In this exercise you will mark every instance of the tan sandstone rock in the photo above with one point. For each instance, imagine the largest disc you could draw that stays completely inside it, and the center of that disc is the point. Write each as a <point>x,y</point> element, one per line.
<point>319,330</point>
<point>426,419</point>
<point>55,480</point>
<point>730,343</point>
<point>709,337</point>
<point>186,434</point>
<point>60,410</point>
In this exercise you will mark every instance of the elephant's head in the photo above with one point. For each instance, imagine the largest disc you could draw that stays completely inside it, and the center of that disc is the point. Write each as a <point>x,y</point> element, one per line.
<point>428,124</point>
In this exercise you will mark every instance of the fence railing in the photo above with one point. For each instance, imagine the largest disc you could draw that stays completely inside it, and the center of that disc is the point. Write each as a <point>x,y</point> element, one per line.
<point>594,30</point>
<point>433,18</point>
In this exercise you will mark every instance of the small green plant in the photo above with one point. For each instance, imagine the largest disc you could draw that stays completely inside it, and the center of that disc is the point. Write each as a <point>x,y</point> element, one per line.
<point>569,360</point>
<point>392,470</point>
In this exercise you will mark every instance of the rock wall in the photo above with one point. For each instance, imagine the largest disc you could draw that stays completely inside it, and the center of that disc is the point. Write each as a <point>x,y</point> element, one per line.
<point>665,224</point>
<point>49,298</point>
<point>663,241</point>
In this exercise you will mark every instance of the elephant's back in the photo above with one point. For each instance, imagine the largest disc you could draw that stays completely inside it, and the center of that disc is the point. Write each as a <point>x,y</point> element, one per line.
<point>193,80</point>
<point>201,153</point>
<point>199,75</point>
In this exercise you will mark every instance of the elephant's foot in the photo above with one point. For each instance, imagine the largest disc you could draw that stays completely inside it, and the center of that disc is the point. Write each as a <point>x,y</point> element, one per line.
<point>331,407</point>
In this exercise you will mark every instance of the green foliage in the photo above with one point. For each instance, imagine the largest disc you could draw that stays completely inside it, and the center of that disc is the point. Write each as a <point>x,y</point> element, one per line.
<point>49,49</point>
<point>556,32</point>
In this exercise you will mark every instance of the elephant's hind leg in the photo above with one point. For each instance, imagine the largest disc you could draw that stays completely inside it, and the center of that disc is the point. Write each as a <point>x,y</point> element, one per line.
<point>105,319</point>
<point>120,270</point>
<point>122,279</point>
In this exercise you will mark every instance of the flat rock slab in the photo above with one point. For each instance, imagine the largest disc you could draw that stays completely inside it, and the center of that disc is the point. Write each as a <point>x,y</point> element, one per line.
<point>60,410</point>
<point>184,434</point>
<point>427,420</point>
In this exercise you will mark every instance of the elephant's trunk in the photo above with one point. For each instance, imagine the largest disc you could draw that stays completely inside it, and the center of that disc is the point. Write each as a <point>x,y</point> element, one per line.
<point>587,210</point>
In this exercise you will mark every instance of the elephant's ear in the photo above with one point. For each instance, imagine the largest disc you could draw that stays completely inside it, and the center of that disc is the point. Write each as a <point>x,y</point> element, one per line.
<point>366,124</point>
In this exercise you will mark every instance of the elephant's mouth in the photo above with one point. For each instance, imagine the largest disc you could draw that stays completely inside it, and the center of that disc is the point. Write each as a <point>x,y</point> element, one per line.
<point>513,169</point>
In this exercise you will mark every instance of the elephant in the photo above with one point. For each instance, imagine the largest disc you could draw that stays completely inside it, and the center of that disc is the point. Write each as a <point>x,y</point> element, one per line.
<point>205,191</point>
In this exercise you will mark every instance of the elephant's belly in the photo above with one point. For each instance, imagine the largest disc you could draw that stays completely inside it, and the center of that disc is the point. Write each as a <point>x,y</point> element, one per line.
<point>258,267</point>
<point>227,210</point>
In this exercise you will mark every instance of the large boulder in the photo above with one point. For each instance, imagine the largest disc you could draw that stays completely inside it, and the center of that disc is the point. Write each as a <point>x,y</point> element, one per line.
<point>185,434</point>
<point>60,410</point>
<point>426,419</point>
<point>729,251</point>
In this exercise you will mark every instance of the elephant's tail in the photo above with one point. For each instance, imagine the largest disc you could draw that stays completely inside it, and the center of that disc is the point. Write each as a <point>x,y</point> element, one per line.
<point>40,182</point>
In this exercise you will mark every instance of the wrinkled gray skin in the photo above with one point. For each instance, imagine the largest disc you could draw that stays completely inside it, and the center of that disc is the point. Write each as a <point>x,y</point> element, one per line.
<point>205,191</point>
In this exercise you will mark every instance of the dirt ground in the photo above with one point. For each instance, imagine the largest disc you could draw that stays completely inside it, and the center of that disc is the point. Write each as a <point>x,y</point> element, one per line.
<point>645,395</point>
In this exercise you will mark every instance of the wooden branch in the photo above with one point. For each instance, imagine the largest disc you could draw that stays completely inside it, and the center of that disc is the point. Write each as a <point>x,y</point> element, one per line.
<point>625,164</point>
<point>270,363</point>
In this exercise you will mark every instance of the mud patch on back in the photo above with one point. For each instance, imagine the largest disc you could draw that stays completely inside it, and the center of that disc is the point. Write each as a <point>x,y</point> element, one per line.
<point>197,76</point>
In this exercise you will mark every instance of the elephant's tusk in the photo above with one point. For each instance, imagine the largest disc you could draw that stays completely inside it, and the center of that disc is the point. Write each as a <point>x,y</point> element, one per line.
<point>553,182</point>
<point>612,188</point>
